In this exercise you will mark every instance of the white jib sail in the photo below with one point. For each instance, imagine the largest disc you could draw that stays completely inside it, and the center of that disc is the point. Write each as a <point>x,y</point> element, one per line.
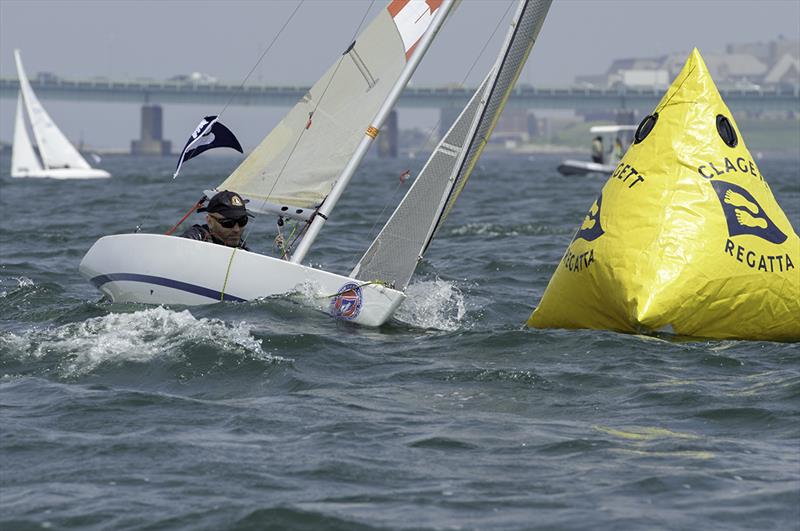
<point>23,158</point>
<point>299,160</point>
<point>393,255</point>
<point>54,148</point>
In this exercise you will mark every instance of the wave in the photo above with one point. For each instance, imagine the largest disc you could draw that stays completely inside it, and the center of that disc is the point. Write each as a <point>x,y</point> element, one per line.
<point>496,230</point>
<point>23,299</point>
<point>77,349</point>
<point>23,285</point>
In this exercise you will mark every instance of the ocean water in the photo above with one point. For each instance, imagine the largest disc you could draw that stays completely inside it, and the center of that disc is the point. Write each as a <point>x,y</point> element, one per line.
<point>270,415</point>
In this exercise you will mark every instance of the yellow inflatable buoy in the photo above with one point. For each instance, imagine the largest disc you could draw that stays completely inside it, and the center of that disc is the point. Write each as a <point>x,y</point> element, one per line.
<point>685,237</point>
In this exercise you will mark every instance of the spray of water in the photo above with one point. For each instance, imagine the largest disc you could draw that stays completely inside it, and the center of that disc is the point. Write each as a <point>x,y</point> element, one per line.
<point>435,304</point>
<point>129,337</point>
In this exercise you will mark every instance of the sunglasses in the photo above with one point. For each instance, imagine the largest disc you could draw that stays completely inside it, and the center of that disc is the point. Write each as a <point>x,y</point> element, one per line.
<point>229,223</point>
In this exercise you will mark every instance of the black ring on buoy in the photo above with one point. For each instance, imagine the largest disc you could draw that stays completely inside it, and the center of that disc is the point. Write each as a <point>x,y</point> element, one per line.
<point>645,127</point>
<point>726,131</point>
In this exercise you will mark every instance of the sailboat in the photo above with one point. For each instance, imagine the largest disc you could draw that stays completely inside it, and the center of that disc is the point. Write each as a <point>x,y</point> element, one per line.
<point>301,168</point>
<point>54,156</point>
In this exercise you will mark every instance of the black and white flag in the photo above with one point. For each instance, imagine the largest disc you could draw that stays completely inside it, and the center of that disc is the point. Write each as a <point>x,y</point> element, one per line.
<point>209,134</point>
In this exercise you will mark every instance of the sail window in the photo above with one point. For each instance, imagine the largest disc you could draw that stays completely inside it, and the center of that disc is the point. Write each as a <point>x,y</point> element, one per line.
<point>726,131</point>
<point>645,127</point>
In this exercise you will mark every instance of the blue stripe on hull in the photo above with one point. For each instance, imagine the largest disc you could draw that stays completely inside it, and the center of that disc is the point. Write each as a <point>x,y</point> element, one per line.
<point>99,280</point>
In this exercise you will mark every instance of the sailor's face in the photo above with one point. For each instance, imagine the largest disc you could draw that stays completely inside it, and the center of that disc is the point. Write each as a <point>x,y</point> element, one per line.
<point>231,236</point>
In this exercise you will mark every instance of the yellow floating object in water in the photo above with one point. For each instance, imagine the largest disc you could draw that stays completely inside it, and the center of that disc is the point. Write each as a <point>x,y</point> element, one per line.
<point>685,237</point>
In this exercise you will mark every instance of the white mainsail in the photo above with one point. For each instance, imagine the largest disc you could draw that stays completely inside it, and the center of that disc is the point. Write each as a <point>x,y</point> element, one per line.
<point>23,158</point>
<point>54,148</point>
<point>298,162</point>
<point>393,255</point>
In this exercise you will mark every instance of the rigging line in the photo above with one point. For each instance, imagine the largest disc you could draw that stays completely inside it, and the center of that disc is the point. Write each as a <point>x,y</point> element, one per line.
<point>436,125</point>
<point>319,101</point>
<point>359,286</point>
<point>197,205</point>
<point>268,48</point>
<point>227,275</point>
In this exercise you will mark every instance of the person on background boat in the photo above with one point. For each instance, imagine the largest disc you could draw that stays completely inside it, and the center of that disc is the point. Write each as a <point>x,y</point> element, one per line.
<point>619,151</point>
<point>226,217</point>
<point>597,149</point>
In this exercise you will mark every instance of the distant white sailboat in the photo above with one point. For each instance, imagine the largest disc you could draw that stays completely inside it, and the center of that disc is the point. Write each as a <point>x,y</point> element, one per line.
<point>56,157</point>
<point>301,168</point>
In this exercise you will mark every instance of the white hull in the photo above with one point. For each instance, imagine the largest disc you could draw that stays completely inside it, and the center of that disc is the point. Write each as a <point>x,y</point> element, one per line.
<point>157,269</point>
<point>62,173</point>
<point>581,167</point>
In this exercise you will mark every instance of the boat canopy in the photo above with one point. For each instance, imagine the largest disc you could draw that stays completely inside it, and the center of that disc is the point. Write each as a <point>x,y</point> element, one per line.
<point>611,129</point>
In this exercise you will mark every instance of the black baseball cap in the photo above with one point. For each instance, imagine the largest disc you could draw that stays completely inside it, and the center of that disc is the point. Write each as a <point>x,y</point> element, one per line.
<point>227,204</point>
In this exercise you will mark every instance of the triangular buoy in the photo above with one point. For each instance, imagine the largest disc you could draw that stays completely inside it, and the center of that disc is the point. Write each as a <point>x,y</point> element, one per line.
<point>686,235</point>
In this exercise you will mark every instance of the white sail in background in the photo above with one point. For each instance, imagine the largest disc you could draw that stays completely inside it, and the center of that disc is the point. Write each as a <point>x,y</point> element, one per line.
<point>23,158</point>
<point>56,158</point>
<point>393,255</point>
<point>298,162</point>
<point>54,148</point>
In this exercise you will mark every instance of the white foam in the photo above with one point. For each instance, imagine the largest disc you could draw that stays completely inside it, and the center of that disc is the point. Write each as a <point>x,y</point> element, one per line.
<point>433,304</point>
<point>22,282</point>
<point>483,229</point>
<point>132,337</point>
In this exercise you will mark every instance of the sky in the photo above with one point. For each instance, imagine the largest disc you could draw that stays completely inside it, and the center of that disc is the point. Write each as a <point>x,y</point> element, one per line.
<point>124,39</point>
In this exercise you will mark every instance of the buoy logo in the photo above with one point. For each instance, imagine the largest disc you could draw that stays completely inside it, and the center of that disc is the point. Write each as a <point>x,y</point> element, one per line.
<point>591,229</point>
<point>744,214</point>
<point>347,303</point>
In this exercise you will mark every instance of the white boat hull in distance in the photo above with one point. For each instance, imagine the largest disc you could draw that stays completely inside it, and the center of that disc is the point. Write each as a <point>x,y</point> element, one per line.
<point>158,269</point>
<point>582,167</point>
<point>63,173</point>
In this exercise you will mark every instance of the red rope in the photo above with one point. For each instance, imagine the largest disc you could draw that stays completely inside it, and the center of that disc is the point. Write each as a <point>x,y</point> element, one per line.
<point>191,210</point>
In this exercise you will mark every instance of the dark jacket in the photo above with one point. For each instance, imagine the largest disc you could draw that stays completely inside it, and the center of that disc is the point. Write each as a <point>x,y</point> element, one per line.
<point>202,233</point>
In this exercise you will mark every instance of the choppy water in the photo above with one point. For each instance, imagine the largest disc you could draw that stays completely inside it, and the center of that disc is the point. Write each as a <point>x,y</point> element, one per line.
<point>268,415</point>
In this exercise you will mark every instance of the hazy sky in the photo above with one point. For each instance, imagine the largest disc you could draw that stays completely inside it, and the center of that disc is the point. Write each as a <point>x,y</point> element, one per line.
<point>128,39</point>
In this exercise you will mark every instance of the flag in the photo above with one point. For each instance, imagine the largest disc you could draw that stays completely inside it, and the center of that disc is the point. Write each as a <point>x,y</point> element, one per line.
<point>209,134</point>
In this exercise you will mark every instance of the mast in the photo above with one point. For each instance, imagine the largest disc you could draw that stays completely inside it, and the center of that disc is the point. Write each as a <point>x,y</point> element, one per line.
<point>372,131</point>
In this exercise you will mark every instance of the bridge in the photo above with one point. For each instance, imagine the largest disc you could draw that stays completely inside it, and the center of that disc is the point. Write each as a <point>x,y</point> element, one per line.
<point>524,97</point>
<point>449,99</point>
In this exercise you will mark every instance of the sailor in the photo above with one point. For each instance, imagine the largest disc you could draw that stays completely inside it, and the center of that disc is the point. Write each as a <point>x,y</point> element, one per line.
<point>619,151</point>
<point>597,149</point>
<point>226,217</point>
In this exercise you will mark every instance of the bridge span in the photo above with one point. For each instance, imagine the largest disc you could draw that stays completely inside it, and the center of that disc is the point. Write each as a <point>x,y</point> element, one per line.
<point>580,99</point>
<point>625,102</point>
